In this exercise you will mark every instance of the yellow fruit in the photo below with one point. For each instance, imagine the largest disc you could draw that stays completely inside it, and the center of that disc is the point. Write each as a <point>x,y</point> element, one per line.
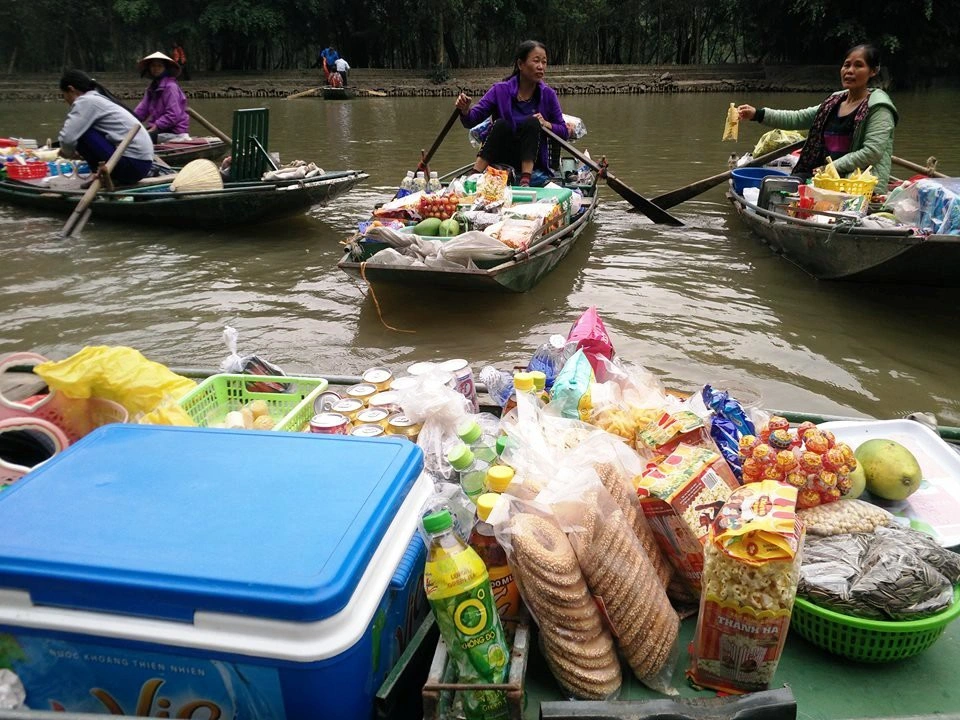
<point>891,471</point>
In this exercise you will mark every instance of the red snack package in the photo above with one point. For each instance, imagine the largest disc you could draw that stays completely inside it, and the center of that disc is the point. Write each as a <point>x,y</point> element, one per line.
<point>590,335</point>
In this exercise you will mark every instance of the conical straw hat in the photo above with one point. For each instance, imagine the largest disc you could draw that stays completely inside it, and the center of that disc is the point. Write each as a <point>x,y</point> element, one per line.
<point>198,175</point>
<point>171,64</point>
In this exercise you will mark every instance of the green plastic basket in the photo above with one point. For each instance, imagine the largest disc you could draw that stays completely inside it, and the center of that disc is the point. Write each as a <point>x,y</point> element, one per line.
<point>212,399</point>
<point>870,641</point>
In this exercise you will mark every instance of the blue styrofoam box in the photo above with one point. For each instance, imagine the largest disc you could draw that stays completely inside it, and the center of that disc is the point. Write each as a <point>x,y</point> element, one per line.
<point>265,574</point>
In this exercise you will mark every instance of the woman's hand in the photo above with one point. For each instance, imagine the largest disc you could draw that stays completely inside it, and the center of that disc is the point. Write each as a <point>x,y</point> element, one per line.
<point>463,103</point>
<point>746,112</point>
<point>543,122</point>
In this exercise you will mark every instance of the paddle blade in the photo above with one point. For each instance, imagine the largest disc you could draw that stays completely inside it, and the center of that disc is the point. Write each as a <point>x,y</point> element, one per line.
<point>651,210</point>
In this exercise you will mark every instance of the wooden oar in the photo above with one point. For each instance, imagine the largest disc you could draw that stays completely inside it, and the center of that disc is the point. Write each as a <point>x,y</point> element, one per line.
<point>917,168</point>
<point>304,93</point>
<point>675,197</point>
<point>651,210</point>
<point>426,157</point>
<point>209,125</point>
<point>78,219</point>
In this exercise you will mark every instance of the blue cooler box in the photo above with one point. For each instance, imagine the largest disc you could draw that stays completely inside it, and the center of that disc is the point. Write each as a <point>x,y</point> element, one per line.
<point>195,573</point>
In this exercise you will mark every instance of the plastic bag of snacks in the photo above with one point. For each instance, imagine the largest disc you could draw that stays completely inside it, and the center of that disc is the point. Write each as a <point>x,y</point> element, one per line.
<point>576,643</point>
<point>590,335</point>
<point>669,430</point>
<point>681,496</point>
<point>731,126</point>
<point>619,574</point>
<point>749,585</point>
<point>807,458</point>
<point>491,187</point>
<point>571,394</point>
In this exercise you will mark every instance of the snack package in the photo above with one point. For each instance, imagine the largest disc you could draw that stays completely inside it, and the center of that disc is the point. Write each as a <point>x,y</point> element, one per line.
<point>516,234</point>
<point>774,140</point>
<point>731,127</point>
<point>492,185</point>
<point>671,429</point>
<point>749,586</point>
<point>250,365</point>
<point>570,397</point>
<point>590,335</point>
<point>681,496</point>
<point>576,643</point>
<point>621,578</point>
<point>728,423</point>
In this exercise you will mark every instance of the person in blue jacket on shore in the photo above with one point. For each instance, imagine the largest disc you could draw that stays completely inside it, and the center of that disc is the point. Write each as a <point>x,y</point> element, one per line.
<point>519,106</point>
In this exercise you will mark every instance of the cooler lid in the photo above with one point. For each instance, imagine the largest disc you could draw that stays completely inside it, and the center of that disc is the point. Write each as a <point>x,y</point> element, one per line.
<point>164,521</point>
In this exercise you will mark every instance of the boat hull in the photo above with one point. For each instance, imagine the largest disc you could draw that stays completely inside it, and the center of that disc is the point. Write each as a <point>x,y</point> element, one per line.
<point>331,93</point>
<point>178,155</point>
<point>856,254</point>
<point>517,275</point>
<point>236,204</point>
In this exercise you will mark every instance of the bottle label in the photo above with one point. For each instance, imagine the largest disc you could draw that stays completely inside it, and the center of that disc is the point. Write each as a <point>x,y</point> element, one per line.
<point>506,595</point>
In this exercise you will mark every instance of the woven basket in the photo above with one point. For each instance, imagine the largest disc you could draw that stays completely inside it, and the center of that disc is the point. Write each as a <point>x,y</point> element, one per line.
<point>76,417</point>
<point>44,434</point>
<point>198,175</point>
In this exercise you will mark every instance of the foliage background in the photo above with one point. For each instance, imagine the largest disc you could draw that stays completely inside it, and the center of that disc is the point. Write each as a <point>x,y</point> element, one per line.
<point>920,39</point>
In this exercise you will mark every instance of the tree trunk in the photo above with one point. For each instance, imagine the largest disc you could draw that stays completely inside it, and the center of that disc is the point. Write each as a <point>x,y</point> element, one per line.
<point>13,60</point>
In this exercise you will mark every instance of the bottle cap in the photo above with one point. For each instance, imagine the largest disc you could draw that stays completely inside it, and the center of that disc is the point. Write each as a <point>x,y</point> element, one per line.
<point>523,382</point>
<point>485,504</point>
<point>539,379</point>
<point>469,431</point>
<point>460,457</point>
<point>438,521</point>
<point>499,478</point>
<point>502,443</point>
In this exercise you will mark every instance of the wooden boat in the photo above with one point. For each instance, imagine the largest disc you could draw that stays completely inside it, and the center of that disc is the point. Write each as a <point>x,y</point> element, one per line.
<point>180,153</point>
<point>338,93</point>
<point>517,274</point>
<point>848,252</point>
<point>238,203</point>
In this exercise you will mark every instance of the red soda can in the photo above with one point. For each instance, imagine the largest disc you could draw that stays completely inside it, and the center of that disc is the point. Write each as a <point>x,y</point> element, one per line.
<point>463,380</point>
<point>330,423</point>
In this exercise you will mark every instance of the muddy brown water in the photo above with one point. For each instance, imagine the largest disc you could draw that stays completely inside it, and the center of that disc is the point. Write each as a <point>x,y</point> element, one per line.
<point>706,302</point>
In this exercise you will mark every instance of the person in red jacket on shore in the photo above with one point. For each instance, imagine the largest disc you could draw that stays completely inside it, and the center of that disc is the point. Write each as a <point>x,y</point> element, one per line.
<point>179,56</point>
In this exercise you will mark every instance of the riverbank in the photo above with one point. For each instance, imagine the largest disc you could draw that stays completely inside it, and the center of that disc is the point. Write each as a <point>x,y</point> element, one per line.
<point>566,80</point>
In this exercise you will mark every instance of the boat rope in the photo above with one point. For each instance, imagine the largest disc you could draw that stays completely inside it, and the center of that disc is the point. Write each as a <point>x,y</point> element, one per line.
<point>376,303</point>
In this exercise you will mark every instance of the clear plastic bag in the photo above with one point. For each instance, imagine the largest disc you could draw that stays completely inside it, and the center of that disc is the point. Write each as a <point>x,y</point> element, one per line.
<point>576,643</point>
<point>620,575</point>
<point>250,365</point>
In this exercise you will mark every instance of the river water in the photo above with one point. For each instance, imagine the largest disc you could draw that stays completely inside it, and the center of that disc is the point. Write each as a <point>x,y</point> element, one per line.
<point>705,302</point>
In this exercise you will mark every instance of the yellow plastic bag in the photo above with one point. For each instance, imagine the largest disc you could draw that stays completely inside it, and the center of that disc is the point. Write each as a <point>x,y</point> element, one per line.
<point>168,412</point>
<point>731,128</point>
<point>120,374</point>
<point>774,140</point>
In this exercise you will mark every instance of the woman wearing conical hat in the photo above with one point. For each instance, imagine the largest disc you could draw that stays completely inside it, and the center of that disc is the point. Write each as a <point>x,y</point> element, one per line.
<point>164,106</point>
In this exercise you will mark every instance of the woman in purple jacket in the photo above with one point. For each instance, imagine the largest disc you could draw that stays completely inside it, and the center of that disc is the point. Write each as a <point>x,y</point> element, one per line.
<point>164,106</point>
<point>519,106</point>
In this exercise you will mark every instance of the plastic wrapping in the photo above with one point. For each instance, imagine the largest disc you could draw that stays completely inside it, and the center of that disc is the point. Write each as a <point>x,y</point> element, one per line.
<point>571,395</point>
<point>848,516</point>
<point>620,576</point>
<point>576,643</point>
<point>250,365</point>
<point>550,357</point>
<point>749,586</point>
<point>774,140</point>
<point>431,401</point>
<point>590,335</point>
<point>893,573</point>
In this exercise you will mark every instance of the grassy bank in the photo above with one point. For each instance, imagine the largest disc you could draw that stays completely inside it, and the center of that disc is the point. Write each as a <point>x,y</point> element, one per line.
<point>567,80</point>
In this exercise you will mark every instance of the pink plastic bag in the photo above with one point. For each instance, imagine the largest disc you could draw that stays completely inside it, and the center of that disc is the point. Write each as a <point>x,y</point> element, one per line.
<point>590,335</point>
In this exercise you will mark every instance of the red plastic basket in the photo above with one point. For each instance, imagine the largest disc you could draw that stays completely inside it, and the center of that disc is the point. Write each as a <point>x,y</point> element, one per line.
<point>29,171</point>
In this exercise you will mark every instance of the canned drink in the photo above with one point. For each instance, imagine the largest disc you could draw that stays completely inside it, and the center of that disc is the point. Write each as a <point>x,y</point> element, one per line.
<point>388,400</point>
<point>463,380</point>
<point>422,368</point>
<point>329,423</point>
<point>403,383</point>
<point>362,392</point>
<point>348,407</point>
<point>367,431</point>
<point>373,416</point>
<point>324,402</point>
<point>402,425</point>
<point>379,377</point>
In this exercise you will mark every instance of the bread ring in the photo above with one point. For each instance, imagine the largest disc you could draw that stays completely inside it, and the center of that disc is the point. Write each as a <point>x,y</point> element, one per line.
<point>539,543</point>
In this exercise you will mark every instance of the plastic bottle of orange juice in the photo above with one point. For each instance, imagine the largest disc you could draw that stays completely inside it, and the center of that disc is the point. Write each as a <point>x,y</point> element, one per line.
<point>506,595</point>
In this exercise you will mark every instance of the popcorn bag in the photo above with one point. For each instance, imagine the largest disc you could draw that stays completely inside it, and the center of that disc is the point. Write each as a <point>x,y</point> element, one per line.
<point>681,496</point>
<point>749,585</point>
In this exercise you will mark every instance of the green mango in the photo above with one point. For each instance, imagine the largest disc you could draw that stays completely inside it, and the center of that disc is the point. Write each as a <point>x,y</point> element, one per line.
<point>449,228</point>
<point>429,227</point>
<point>891,471</point>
